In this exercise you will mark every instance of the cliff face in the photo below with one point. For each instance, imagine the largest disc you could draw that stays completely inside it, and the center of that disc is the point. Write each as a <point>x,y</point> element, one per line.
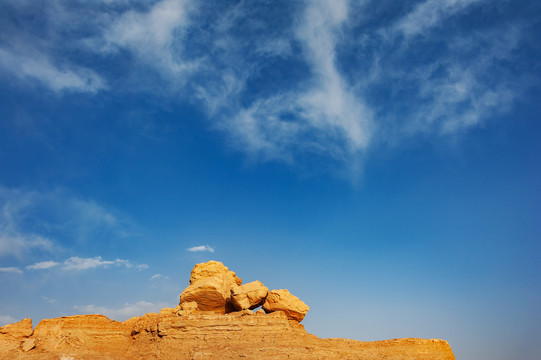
<point>186,332</point>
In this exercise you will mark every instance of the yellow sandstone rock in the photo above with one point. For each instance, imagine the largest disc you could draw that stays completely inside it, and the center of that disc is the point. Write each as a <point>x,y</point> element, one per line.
<point>283,300</point>
<point>19,330</point>
<point>210,287</point>
<point>248,296</point>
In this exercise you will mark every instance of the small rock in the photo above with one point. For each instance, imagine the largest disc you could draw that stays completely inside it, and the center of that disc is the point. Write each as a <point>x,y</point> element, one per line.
<point>247,312</point>
<point>260,312</point>
<point>28,345</point>
<point>283,300</point>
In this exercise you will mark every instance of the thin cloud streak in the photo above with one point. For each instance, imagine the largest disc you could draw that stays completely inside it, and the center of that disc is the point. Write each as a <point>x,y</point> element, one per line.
<point>42,265</point>
<point>38,67</point>
<point>14,270</point>
<point>431,13</point>
<point>201,248</point>
<point>79,264</point>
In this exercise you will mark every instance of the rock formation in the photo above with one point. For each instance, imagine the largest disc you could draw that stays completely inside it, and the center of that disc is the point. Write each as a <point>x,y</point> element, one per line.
<point>283,300</point>
<point>204,326</point>
<point>249,296</point>
<point>210,287</point>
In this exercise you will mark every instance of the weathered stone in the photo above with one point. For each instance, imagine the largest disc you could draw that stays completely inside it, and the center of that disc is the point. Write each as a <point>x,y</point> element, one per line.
<point>91,332</point>
<point>260,312</point>
<point>166,336</point>
<point>211,269</point>
<point>167,311</point>
<point>28,345</point>
<point>189,306</point>
<point>283,300</point>
<point>18,330</point>
<point>248,296</point>
<point>210,287</point>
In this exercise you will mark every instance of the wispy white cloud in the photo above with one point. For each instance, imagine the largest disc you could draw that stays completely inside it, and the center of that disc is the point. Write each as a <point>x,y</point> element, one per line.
<point>323,115</point>
<point>79,263</point>
<point>42,265</point>
<point>154,36</point>
<point>458,92</point>
<point>142,267</point>
<point>49,300</point>
<point>129,310</point>
<point>32,221</point>
<point>201,248</point>
<point>13,240</point>
<point>38,67</point>
<point>431,13</point>
<point>230,59</point>
<point>6,319</point>
<point>157,276</point>
<point>15,270</point>
<point>16,243</point>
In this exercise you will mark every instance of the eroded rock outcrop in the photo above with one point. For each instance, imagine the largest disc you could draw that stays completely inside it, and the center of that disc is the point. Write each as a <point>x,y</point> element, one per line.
<point>283,300</point>
<point>199,328</point>
<point>18,330</point>
<point>213,287</point>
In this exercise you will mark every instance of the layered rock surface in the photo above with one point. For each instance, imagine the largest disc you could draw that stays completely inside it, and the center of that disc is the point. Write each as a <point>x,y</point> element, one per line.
<point>188,332</point>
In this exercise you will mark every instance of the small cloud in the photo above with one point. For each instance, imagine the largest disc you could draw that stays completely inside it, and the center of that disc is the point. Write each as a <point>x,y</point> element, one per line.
<point>201,248</point>
<point>42,265</point>
<point>15,270</point>
<point>6,319</point>
<point>142,267</point>
<point>50,301</point>
<point>158,276</point>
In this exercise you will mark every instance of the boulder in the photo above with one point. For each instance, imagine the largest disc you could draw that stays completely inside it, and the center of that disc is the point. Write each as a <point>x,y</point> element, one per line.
<point>210,287</point>
<point>19,330</point>
<point>248,296</point>
<point>283,300</point>
<point>28,345</point>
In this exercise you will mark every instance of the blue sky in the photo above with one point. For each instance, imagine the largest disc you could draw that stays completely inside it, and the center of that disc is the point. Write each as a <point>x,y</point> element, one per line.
<point>379,159</point>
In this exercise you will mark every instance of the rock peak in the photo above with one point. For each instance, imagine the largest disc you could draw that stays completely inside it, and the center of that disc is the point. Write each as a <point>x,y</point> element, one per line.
<point>215,288</point>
